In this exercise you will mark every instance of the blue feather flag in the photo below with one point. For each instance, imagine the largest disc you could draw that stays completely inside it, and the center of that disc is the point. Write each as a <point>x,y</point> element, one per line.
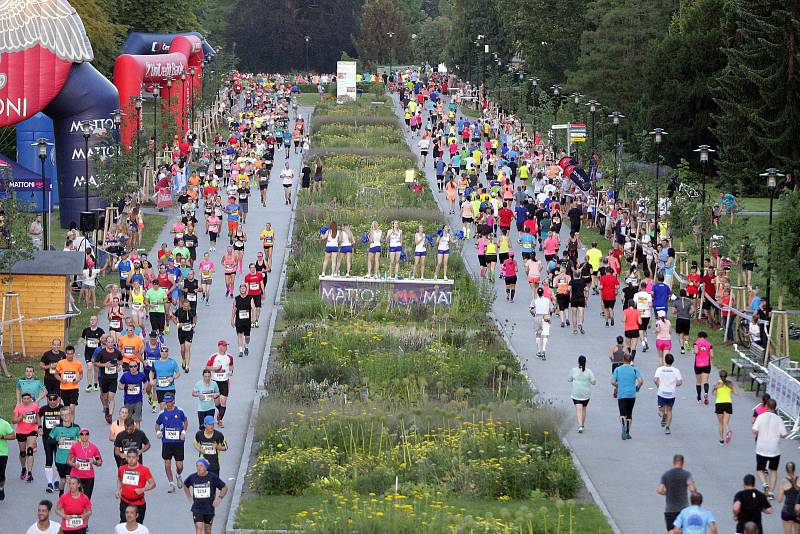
<point>403,256</point>
<point>365,238</point>
<point>323,230</point>
<point>429,239</point>
<point>460,234</point>
<point>439,232</point>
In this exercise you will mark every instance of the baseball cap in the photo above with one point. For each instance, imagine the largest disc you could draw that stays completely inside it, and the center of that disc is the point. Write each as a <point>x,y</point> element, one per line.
<point>84,430</point>
<point>171,398</point>
<point>208,420</point>
<point>222,342</point>
<point>52,396</point>
<point>203,461</point>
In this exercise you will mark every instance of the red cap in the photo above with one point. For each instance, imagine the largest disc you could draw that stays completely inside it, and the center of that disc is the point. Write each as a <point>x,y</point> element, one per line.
<point>222,342</point>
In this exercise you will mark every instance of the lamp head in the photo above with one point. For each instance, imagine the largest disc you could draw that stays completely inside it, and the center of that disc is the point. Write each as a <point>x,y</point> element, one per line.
<point>183,77</point>
<point>657,134</point>
<point>704,151</point>
<point>138,102</point>
<point>42,144</point>
<point>772,175</point>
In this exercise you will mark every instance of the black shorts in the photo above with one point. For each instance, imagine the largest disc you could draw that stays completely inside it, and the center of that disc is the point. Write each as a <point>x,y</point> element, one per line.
<point>706,304</point>
<point>577,303</point>
<point>157,321</point>
<point>466,220</point>
<point>609,304</point>
<point>63,470</point>
<point>170,450</point>
<point>644,323</point>
<point>669,519</point>
<point>482,260</point>
<point>52,386</point>
<point>767,462</point>
<point>491,258</point>
<point>526,255</point>
<point>206,519</point>
<point>160,393</point>
<point>704,369</point>
<point>22,438</point>
<point>682,326</point>
<point>243,327</point>
<point>185,336</point>
<point>631,334</point>
<point>626,407</point>
<point>563,301</point>
<point>723,407</point>
<point>748,266</point>
<point>108,383</point>
<point>263,186</point>
<point>584,402</point>
<point>70,396</point>
<point>257,301</point>
<point>510,280</point>
<point>503,257</point>
<point>223,388</point>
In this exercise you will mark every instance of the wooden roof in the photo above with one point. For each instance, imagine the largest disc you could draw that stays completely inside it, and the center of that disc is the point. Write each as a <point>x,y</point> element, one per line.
<point>52,262</point>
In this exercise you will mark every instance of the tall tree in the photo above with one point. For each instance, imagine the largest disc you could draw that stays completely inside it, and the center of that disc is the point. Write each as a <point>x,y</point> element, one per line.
<point>428,44</point>
<point>104,34</point>
<point>758,92</point>
<point>158,16</point>
<point>470,18</point>
<point>385,35</point>
<point>679,72</point>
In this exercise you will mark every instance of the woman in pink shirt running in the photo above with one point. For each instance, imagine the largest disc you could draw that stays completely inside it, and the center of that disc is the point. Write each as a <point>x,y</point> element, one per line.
<point>509,270</point>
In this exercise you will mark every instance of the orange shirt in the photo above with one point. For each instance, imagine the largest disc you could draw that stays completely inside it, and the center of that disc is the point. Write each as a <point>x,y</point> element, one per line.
<point>131,348</point>
<point>631,318</point>
<point>70,372</point>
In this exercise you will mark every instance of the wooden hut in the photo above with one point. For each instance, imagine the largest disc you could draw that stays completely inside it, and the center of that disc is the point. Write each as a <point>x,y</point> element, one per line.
<point>42,287</point>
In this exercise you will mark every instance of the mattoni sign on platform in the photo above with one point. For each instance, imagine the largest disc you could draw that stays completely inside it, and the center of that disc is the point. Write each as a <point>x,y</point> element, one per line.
<point>360,291</point>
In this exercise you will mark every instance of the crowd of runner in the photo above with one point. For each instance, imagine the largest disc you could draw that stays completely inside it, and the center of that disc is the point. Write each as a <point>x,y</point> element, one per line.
<point>128,361</point>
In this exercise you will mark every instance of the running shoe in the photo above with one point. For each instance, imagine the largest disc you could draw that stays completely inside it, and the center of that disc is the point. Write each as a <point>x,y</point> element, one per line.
<point>179,482</point>
<point>728,436</point>
<point>49,488</point>
<point>683,351</point>
<point>246,351</point>
<point>705,398</point>
<point>612,321</point>
<point>241,354</point>
<point>667,431</point>
<point>55,485</point>
<point>580,430</point>
<point>580,327</point>
<point>171,488</point>
<point>23,474</point>
<point>30,477</point>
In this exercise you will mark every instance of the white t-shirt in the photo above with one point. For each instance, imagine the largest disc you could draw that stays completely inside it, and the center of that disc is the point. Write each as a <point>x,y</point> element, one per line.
<point>668,377</point>
<point>644,302</point>
<point>770,430</point>
<point>52,529</point>
<point>122,529</point>
<point>287,176</point>
<point>541,305</point>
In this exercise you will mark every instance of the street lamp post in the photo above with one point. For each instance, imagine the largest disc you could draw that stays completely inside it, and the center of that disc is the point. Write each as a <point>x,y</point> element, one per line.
<point>86,128</point>
<point>615,117</point>
<point>658,134</point>
<point>556,88</point>
<point>156,104</point>
<point>391,57</point>
<point>192,71</point>
<point>771,175</point>
<point>593,106</point>
<point>42,143</point>
<point>182,100</point>
<point>138,106</point>
<point>704,151</point>
<point>576,99</point>
<point>307,39</point>
<point>534,89</point>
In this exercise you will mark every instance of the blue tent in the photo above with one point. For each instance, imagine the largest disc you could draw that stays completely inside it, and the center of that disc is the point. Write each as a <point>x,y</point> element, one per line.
<point>26,183</point>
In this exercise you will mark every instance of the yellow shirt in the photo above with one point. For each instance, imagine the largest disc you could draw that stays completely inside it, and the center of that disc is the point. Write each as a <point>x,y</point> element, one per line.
<point>593,256</point>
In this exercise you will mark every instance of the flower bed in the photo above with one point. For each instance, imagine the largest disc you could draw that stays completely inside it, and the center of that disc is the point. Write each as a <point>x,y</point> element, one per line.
<point>387,418</point>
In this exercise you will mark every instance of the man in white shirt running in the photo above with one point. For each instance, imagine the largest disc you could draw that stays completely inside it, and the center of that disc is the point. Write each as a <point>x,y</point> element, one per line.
<point>667,379</point>
<point>644,303</point>
<point>540,308</point>
<point>131,526</point>
<point>768,429</point>
<point>44,525</point>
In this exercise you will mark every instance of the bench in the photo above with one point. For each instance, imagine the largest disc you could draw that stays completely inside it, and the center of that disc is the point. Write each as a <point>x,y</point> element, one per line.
<point>740,362</point>
<point>759,375</point>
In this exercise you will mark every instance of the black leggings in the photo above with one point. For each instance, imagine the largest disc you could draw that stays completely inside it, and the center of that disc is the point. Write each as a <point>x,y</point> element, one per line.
<point>626,407</point>
<point>50,448</point>
<point>202,415</point>
<point>88,486</point>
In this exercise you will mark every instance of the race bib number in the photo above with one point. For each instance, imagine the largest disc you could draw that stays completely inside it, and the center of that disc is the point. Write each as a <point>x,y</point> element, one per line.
<point>124,274</point>
<point>186,327</point>
<point>206,275</point>
<point>172,433</point>
<point>208,449</point>
<point>133,390</point>
<point>128,350</point>
<point>244,314</point>
<point>92,343</point>
<point>213,228</point>
<point>130,478</point>
<point>219,376</point>
<point>29,417</point>
<point>136,306</point>
<point>238,244</point>
<point>201,492</point>
<point>191,297</point>
<point>66,444</point>
<point>206,397</point>
<point>51,422</point>
<point>74,521</point>
<point>82,465</point>
<point>70,376</point>
<point>254,286</point>
<point>164,381</point>
<point>114,324</point>
<point>111,370</point>
<point>52,371</point>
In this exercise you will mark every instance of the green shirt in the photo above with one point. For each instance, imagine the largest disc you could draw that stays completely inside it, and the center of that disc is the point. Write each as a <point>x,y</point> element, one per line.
<point>156,296</point>
<point>70,435</point>
<point>5,429</point>
<point>34,386</point>
<point>183,251</point>
<point>581,383</point>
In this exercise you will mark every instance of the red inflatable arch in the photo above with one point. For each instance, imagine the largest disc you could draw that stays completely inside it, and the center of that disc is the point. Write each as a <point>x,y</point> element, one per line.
<point>131,71</point>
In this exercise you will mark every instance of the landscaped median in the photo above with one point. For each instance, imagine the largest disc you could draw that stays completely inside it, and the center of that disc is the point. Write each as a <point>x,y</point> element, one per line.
<point>392,418</point>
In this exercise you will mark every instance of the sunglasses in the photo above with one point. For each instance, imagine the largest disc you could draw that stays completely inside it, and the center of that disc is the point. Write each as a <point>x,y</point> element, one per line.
<point>84,433</point>
<point>164,350</point>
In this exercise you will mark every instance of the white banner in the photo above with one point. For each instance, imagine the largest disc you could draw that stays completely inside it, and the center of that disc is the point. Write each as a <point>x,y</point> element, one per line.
<point>785,389</point>
<point>345,81</point>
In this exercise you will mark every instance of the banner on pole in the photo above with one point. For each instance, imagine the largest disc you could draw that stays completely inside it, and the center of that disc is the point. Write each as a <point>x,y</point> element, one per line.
<point>345,81</point>
<point>577,133</point>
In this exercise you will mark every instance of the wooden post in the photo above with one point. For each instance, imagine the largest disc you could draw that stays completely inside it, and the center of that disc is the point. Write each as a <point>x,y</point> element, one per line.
<point>682,262</point>
<point>9,300</point>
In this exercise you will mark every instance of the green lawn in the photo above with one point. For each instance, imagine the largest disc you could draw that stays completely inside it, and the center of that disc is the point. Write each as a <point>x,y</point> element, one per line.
<point>278,512</point>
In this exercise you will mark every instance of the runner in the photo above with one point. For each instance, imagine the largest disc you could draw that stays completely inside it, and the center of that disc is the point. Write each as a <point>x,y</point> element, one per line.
<point>91,336</point>
<point>675,483</point>
<point>186,319</point>
<point>74,508</point>
<point>26,421</point>
<point>209,443</point>
<point>30,384</point>
<point>155,300</point>
<point>230,263</point>
<point>561,283</point>
<point>667,379</point>
<point>131,438</point>
<point>703,353</point>
<point>116,317</point>
<point>287,180</point>
<point>695,518</point>
<point>509,271</point>
<point>787,494</point>
<point>207,271</point>
<point>748,505</point>
<point>107,362</point>
<point>267,237</point>
<point>644,303</point>
<point>83,457</point>
<point>684,309</point>
<point>171,426</point>
<point>221,366</point>
<point>244,308</point>
<point>43,525</point>
<point>541,308</point>
<point>131,525</point>
<point>627,380</point>
<point>201,490</point>
<point>663,335</point>
<point>213,223</point>
<point>578,288</point>
<point>723,405</point>
<point>769,429</point>
<point>133,480</point>
<point>263,181</point>
<point>206,391</point>
<point>239,240</point>
<point>255,289</point>
<point>50,418</point>
<point>232,213</point>
<point>164,373</point>
<point>69,372</point>
<point>190,286</point>
<point>582,381</point>
<point>65,435</point>
<point>133,384</point>
<point>48,364</point>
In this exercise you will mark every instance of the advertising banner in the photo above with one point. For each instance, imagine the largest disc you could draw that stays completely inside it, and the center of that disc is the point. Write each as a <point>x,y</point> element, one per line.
<point>367,292</point>
<point>345,81</point>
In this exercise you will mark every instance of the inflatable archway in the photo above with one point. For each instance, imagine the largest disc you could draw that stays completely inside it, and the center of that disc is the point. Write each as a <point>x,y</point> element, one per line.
<point>142,44</point>
<point>44,55</point>
<point>131,71</point>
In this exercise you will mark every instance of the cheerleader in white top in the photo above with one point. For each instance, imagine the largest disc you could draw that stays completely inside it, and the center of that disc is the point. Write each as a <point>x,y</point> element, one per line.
<point>442,252</point>
<point>374,238</point>
<point>345,249</point>
<point>331,239</point>
<point>395,248</point>
<point>420,252</point>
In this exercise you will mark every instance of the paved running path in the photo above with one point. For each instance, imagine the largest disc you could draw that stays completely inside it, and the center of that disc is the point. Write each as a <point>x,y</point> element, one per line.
<point>626,473</point>
<point>170,512</point>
